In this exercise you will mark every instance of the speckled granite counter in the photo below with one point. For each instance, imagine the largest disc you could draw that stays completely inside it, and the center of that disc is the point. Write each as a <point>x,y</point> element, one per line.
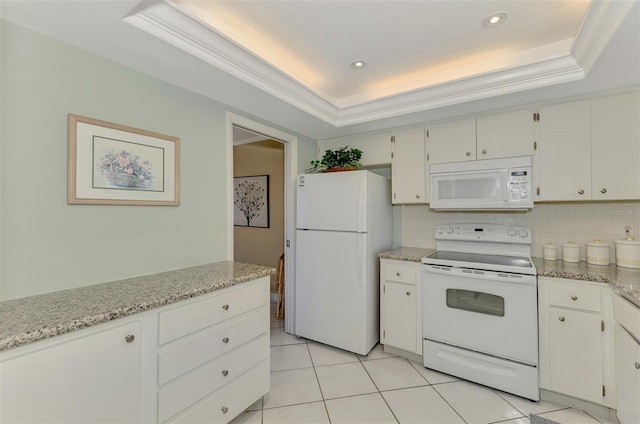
<point>625,281</point>
<point>409,254</point>
<point>33,318</point>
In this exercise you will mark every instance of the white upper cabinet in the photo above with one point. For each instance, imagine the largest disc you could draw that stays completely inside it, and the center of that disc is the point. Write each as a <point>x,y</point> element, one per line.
<point>505,135</point>
<point>408,166</point>
<point>565,152</point>
<point>451,141</point>
<point>615,127</point>
<point>375,147</point>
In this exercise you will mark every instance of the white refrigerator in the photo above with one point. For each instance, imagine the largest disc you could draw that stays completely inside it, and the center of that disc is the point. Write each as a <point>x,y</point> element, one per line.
<point>344,221</point>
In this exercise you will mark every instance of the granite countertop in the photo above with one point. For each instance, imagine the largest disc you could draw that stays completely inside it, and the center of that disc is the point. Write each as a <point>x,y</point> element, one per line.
<point>409,254</point>
<point>33,318</point>
<point>625,281</point>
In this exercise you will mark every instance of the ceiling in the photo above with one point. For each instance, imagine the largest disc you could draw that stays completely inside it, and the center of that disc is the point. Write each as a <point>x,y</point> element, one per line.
<point>288,62</point>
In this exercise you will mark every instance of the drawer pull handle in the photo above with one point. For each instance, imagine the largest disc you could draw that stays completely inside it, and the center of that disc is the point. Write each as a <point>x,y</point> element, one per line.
<point>225,307</point>
<point>397,274</point>
<point>638,365</point>
<point>225,340</point>
<point>225,372</point>
<point>408,293</point>
<point>561,319</point>
<point>130,338</point>
<point>574,297</point>
<point>225,409</point>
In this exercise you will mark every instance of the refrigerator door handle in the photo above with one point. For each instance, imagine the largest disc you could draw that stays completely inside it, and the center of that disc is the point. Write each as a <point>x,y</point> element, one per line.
<point>362,208</point>
<point>360,258</point>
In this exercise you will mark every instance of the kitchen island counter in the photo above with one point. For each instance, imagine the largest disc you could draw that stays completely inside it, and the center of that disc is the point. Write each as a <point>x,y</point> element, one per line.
<point>625,281</point>
<point>33,318</point>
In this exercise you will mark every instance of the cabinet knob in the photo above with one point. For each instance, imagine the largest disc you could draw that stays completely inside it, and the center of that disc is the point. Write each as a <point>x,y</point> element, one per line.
<point>484,151</point>
<point>397,274</point>
<point>225,307</point>
<point>580,191</point>
<point>638,365</point>
<point>603,191</point>
<point>225,372</point>
<point>417,196</point>
<point>408,293</point>
<point>561,319</point>
<point>468,153</point>
<point>225,340</point>
<point>130,338</point>
<point>224,409</point>
<point>574,297</point>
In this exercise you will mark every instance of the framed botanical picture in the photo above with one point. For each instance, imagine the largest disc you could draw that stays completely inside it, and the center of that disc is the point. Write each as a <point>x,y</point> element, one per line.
<point>251,201</point>
<point>111,164</point>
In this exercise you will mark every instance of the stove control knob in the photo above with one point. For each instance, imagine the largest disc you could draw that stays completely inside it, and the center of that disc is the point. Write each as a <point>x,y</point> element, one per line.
<point>449,230</point>
<point>523,233</point>
<point>511,232</point>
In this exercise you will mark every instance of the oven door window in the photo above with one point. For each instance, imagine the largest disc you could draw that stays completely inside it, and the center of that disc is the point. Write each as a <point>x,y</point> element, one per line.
<point>474,301</point>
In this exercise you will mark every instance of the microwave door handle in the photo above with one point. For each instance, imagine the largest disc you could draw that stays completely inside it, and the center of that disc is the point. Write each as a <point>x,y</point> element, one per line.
<point>506,190</point>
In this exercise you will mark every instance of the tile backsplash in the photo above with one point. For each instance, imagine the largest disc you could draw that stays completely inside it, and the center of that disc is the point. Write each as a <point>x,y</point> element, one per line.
<point>555,223</point>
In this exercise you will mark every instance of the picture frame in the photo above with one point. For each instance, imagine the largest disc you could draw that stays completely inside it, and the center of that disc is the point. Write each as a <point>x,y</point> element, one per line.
<point>251,201</point>
<point>113,164</point>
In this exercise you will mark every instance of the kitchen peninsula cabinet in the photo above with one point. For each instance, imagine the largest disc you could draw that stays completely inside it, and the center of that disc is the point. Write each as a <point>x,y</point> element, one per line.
<point>408,167</point>
<point>198,350</point>
<point>627,332</point>
<point>93,375</point>
<point>400,305</point>
<point>576,340</point>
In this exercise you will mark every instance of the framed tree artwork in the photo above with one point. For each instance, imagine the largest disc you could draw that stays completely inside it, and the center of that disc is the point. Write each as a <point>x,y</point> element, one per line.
<point>251,201</point>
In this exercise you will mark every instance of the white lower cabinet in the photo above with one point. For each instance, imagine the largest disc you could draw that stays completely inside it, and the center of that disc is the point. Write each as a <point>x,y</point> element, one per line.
<point>89,376</point>
<point>627,360</point>
<point>576,340</point>
<point>400,305</point>
<point>205,359</point>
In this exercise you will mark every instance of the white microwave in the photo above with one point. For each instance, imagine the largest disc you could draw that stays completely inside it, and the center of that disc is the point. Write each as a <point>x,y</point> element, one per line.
<point>503,183</point>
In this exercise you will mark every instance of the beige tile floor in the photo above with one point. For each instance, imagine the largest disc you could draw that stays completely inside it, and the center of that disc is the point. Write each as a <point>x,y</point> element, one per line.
<point>315,383</point>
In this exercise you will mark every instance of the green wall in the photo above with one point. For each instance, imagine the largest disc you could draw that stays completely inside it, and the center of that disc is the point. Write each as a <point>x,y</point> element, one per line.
<point>47,245</point>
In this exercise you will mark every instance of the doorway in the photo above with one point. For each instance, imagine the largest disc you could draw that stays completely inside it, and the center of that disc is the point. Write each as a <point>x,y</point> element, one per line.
<point>249,129</point>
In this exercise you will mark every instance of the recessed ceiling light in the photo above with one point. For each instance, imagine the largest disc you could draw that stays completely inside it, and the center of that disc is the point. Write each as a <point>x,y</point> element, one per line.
<point>495,19</point>
<point>359,64</point>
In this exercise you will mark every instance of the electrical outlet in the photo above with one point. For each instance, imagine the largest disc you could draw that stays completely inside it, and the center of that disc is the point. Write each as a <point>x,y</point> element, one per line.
<point>628,230</point>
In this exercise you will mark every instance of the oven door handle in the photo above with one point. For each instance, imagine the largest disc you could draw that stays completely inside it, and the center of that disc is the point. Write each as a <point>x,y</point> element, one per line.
<point>504,277</point>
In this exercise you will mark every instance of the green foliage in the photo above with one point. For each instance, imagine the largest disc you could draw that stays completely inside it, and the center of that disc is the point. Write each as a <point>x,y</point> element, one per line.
<point>343,157</point>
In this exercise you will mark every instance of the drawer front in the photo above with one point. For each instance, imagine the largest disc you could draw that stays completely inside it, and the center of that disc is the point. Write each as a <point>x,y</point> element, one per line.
<point>186,356</point>
<point>232,400</point>
<point>401,272</point>
<point>575,296</point>
<point>627,315</point>
<point>188,390</point>
<point>187,319</point>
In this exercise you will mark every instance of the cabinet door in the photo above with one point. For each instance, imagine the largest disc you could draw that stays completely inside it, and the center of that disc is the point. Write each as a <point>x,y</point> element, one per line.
<point>575,354</point>
<point>565,152</point>
<point>616,147</point>
<point>93,377</point>
<point>375,147</point>
<point>400,319</point>
<point>505,135</point>
<point>627,377</point>
<point>452,141</point>
<point>408,166</point>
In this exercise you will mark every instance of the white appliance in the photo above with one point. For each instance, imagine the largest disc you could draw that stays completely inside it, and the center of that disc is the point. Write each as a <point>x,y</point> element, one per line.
<point>343,222</point>
<point>480,307</point>
<point>503,183</point>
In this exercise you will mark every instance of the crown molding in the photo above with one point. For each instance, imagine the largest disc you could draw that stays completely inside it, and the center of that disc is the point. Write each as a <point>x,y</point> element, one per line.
<point>187,32</point>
